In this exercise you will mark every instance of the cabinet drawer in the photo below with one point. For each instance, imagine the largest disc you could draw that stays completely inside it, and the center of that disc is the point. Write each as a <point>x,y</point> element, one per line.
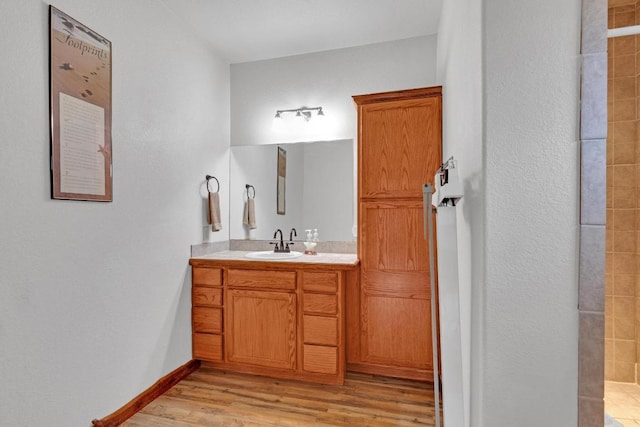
<point>207,347</point>
<point>206,296</point>
<point>263,279</point>
<point>320,330</point>
<point>320,359</point>
<point>320,303</point>
<point>320,282</point>
<point>207,320</point>
<point>207,276</point>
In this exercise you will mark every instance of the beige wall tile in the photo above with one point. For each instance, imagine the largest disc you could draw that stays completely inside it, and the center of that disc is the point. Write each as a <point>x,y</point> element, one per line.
<point>610,110</point>
<point>610,65</point>
<point>625,19</point>
<point>623,220</point>
<point>624,241</point>
<point>624,197</point>
<point>624,285</point>
<point>624,109</point>
<point>624,328</point>
<point>625,351</point>
<point>624,153</point>
<point>611,24</point>
<point>625,372</point>
<point>609,370</point>
<point>624,66</point>
<point>624,45</point>
<point>623,308</point>
<point>608,346</point>
<point>624,87</point>
<point>623,263</point>
<point>625,132</point>
<point>622,175</point>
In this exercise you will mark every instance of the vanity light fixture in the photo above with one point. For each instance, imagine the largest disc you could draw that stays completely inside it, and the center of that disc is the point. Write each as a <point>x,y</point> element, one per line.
<point>304,112</point>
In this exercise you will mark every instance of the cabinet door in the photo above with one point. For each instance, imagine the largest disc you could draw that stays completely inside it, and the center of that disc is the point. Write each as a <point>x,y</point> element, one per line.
<point>400,147</point>
<point>261,328</point>
<point>395,305</point>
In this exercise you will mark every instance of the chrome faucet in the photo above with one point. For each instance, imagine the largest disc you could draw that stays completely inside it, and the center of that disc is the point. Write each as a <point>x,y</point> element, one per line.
<point>281,247</point>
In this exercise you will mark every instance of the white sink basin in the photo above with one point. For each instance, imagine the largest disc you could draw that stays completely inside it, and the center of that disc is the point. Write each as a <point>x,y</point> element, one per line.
<point>270,255</point>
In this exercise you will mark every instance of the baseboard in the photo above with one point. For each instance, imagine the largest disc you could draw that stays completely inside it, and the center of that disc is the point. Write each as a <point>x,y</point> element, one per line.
<point>149,395</point>
<point>391,371</point>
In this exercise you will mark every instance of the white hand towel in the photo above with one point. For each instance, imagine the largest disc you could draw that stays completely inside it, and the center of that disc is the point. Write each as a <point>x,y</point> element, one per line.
<point>213,214</point>
<point>249,217</point>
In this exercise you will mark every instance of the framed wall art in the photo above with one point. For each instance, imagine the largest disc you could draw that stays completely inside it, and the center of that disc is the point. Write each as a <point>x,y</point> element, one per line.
<point>282,181</point>
<point>80,107</point>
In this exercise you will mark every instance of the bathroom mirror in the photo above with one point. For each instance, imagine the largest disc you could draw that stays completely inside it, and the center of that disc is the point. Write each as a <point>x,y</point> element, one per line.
<point>319,189</point>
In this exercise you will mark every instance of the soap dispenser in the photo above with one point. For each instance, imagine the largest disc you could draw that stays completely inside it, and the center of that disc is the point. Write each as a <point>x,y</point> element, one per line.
<point>310,243</point>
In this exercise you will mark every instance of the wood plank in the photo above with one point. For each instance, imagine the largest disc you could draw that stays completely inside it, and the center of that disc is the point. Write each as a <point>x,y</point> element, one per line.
<point>209,397</point>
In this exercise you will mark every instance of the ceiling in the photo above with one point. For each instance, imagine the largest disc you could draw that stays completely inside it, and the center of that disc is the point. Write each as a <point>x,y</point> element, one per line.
<point>251,30</point>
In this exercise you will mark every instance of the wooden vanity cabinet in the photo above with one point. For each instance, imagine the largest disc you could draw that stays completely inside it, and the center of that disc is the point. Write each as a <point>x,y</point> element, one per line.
<point>277,319</point>
<point>206,313</point>
<point>261,318</point>
<point>399,150</point>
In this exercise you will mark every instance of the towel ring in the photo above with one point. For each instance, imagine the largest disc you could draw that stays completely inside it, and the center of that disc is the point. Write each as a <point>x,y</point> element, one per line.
<point>247,186</point>
<point>209,177</point>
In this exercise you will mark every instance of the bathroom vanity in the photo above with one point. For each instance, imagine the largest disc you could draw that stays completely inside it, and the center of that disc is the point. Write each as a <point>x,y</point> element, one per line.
<point>281,318</point>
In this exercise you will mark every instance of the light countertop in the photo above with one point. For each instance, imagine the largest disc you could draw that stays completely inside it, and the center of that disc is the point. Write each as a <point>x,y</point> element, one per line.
<point>321,258</point>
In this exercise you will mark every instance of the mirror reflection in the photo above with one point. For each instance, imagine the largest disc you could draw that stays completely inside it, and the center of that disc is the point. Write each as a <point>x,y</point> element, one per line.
<point>319,190</point>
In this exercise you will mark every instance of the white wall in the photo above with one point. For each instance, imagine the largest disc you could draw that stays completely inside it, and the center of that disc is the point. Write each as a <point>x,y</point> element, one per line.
<point>328,79</point>
<point>531,108</point>
<point>94,297</point>
<point>459,70</point>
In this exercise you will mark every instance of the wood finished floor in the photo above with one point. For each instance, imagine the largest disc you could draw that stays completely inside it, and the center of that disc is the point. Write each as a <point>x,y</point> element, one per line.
<point>210,397</point>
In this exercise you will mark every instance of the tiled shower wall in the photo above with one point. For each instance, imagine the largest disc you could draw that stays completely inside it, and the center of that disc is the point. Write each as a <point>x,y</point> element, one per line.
<point>622,298</point>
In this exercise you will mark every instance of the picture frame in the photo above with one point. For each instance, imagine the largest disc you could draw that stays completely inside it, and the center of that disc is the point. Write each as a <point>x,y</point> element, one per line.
<point>282,182</point>
<point>80,109</point>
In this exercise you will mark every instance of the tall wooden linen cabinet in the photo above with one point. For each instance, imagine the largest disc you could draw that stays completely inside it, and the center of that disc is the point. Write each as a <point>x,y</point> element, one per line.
<point>389,315</point>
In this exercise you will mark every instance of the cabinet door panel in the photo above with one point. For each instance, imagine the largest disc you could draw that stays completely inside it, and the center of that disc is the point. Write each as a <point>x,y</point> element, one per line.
<point>320,330</point>
<point>207,347</point>
<point>391,237</point>
<point>205,296</point>
<point>320,359</point>
<point>397,332</point>
<point>207,276</point>
<point>401,147</point>
<point>263,279</point>
<point>207,319</point>
<point>261,328</point>
<point>320,303</point>
<point>320,282</point>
